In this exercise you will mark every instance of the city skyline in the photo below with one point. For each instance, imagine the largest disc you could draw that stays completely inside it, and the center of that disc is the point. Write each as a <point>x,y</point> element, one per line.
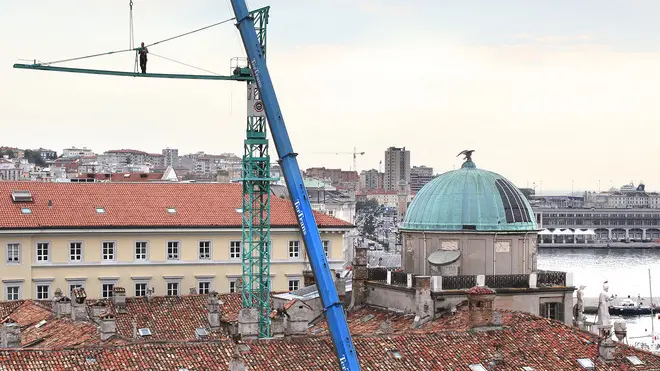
<point>522,75</point>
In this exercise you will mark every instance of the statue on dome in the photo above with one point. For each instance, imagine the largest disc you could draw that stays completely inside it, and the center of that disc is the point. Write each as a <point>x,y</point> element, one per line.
<point>467,153</point>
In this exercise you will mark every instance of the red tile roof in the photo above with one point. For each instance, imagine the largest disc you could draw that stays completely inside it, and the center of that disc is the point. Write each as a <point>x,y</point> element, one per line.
<point>443,344</point>
<point>480,290</point>
<point>174,318</point>
<point>135,205</point>
<point>545,348</point>
<point>53,332</point>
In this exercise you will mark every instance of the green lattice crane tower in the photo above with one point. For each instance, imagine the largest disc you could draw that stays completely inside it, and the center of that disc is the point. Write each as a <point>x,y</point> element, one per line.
<point>256,198</point>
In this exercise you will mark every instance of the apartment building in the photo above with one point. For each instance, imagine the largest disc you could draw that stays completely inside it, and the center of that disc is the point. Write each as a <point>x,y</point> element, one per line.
<point>165,237</point>
<point>397,168</point>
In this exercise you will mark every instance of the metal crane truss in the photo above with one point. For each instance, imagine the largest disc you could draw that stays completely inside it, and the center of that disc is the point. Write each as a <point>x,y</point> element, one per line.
<point>133,74</point>
<point>255,173</point>
<point>256,197</point>
<point>333,309</point>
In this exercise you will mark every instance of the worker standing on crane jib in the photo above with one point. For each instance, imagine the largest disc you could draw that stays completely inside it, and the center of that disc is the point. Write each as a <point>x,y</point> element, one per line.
<point>143,51</point>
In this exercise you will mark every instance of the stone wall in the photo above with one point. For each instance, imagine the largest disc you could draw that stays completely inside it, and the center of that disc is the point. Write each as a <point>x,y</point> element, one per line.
<point>480,253</point>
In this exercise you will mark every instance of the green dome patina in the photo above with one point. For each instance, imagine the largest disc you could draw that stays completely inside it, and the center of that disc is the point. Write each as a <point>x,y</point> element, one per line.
<point>469,199</point>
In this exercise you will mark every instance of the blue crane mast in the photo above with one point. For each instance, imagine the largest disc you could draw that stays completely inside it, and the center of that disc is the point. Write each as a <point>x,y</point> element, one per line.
<point>334,310</point>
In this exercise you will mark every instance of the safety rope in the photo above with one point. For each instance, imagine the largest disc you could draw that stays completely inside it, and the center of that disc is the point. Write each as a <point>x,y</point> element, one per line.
<point>185,64</point>
<point>135,49</point>
<point>193,31</point>
<point>132,37</point>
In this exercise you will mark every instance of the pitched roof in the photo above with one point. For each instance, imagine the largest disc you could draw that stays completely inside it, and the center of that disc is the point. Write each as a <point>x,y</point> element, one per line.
<point>42,329</point>
<point>451,350</point>
<point>135,205</point>
<point>446,343</point>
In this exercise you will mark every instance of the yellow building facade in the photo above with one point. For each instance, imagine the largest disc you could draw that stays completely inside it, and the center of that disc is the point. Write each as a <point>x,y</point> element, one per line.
<point>161,260</point>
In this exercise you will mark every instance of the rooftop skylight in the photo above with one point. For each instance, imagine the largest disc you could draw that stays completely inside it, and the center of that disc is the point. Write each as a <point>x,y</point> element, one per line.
<point>634,360</point>
<point>586,363</point>
<point>21,196</point>
<point>201,333</point>
<point>100,210</point>
<point>26,210</point>
<point>144,332</point>
<point>477,367</point>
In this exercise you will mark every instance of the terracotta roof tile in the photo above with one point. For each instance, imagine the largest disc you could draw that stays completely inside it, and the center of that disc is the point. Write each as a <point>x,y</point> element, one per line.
<point>432,351</point>
<point>480,290</point>
<point>132,205</point>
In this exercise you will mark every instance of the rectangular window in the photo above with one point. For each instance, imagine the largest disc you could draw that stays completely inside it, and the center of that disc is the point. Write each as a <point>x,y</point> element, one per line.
<point>173,250</point>
<point>106,290</point>
<point>108,251</point>
<point>140,289</point>
<point>13,293</point>
<point>204,250</point>
<point>326,247</point>
<point>75,251</point>
<point>552,311</point>
<point>42,292</point>
<point>42,251</point>
<point>203,287</point>
<point>294,249</point>
<point>294,285</point>
<point>235,250</point>
<point>141,250</point>
<point>233,286</point>
<point>172,288</point>
<point>13,253</point>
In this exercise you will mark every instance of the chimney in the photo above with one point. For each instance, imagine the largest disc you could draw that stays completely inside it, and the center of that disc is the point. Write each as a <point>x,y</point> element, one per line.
<point>10,336</point>
<point>63,307</point>
<point>424,309</point>
<point>236,363</point>
<point>277,326</point>
<point>57,295</point>
<point>340,286</point>
<point>606,348</point>
<point>150,293</point>
<point>108,325</point>
<point>79,305</point>
<point>213,303</point>
<point>308,278</point>
<point>299,315</point>
<point>480,302</point>
<point>98,308</point>
<point>119,298</point>
<point>248,323</point>
<point>359,290</point>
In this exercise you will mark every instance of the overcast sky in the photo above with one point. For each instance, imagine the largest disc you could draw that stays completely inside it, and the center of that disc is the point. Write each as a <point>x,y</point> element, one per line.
<point>555,91</point>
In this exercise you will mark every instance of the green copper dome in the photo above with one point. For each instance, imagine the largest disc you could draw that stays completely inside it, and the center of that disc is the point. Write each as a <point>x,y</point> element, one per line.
<point>469,199</point>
